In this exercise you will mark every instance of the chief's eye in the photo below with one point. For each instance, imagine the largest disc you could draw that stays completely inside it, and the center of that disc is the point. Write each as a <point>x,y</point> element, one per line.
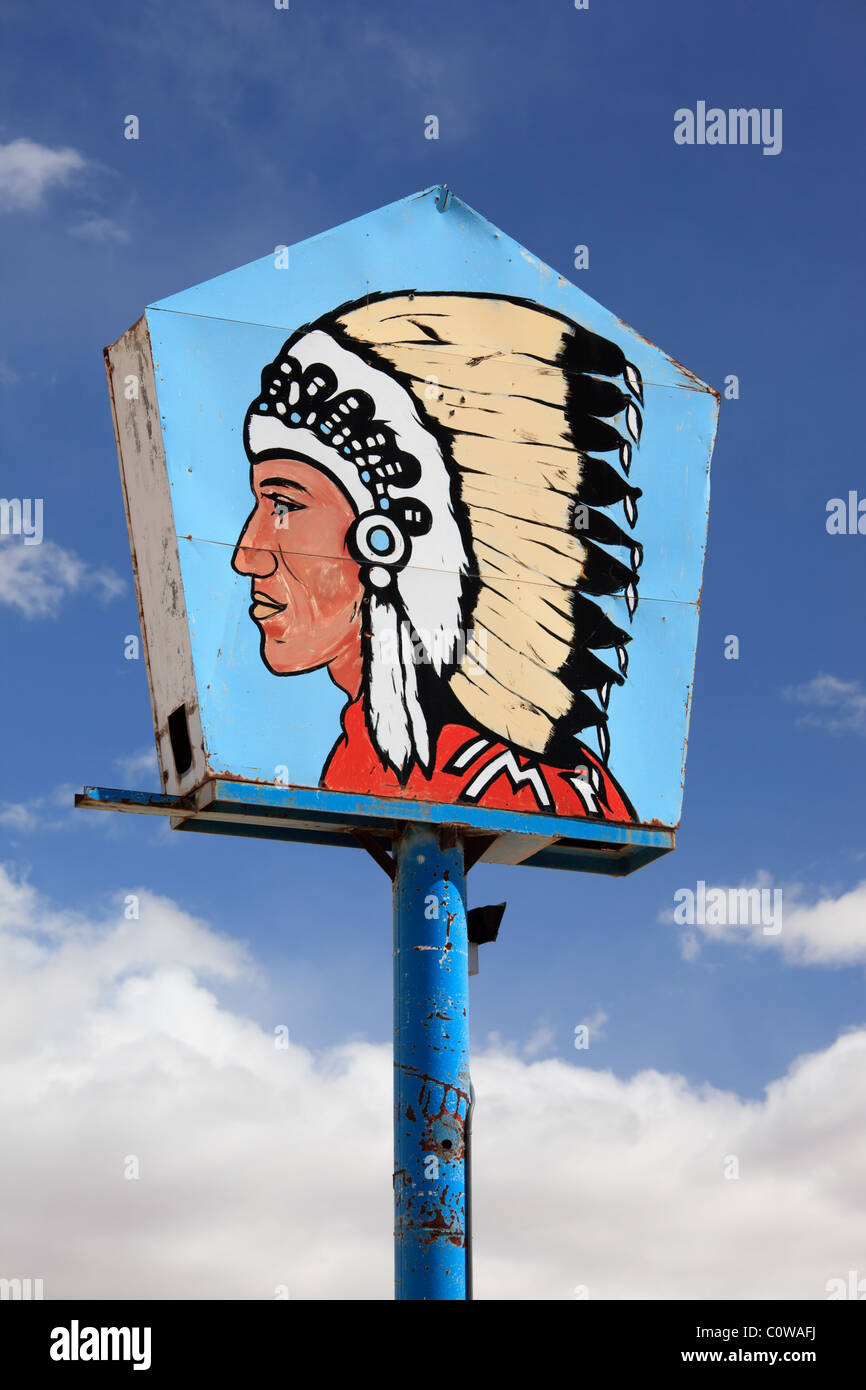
<point>282,505</point>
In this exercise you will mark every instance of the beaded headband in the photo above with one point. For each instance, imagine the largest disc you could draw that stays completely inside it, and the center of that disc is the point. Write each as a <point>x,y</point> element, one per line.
<point>304,398</point>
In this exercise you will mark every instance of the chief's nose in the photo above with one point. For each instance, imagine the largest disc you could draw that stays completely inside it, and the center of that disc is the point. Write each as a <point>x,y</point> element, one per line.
<point>252,559</point>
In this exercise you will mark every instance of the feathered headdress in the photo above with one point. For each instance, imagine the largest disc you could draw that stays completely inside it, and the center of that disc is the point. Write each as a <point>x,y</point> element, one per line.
<point>464,429</point>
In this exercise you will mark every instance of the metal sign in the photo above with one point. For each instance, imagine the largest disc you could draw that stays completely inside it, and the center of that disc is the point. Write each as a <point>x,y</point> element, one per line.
<point>418,530</point>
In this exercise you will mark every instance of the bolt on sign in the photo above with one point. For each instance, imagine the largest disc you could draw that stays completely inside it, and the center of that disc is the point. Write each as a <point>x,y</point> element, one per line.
<point>418,531</point>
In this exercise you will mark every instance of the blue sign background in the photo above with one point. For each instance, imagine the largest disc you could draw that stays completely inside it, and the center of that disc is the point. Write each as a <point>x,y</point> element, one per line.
<point>210,344</point>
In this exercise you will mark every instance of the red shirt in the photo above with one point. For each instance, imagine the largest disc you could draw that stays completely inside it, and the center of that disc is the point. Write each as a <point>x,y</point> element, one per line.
<point>472,769</point>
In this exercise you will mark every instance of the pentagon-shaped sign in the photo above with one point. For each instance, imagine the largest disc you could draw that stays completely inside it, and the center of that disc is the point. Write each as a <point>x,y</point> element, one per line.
<point>418,531</point>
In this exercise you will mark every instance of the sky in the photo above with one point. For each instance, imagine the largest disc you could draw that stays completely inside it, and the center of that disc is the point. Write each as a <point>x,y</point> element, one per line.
<point>605,1170</point>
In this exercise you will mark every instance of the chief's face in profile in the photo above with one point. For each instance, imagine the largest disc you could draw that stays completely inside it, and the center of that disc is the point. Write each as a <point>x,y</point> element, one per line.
<point>306,589</point>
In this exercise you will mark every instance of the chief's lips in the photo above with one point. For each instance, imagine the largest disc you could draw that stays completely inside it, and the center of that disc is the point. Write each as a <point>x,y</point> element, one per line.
<point>264,606</point>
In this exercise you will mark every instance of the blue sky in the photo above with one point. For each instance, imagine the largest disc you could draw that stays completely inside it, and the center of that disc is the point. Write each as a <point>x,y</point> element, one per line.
<point>260,127</point>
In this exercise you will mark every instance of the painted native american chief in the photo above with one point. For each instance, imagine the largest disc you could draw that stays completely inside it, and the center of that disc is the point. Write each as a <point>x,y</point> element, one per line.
<point>430,524</point>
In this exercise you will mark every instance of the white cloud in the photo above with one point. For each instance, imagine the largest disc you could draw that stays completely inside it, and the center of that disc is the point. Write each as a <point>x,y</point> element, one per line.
<point>690,946</point>
<point>34,579</point>
<point>261,1166</point>
<point>95,227</point>
<point>18,815</point>
<point>834,704</point>
<point>40,813</point>
<point>831,931</point>
<point>28,170</point>
<point>138,765</point>
<point>542,1039</point>
<point>595,1025</point>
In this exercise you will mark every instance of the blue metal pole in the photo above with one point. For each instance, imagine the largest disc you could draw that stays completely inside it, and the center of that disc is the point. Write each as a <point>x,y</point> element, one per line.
<point>431,1065</point>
